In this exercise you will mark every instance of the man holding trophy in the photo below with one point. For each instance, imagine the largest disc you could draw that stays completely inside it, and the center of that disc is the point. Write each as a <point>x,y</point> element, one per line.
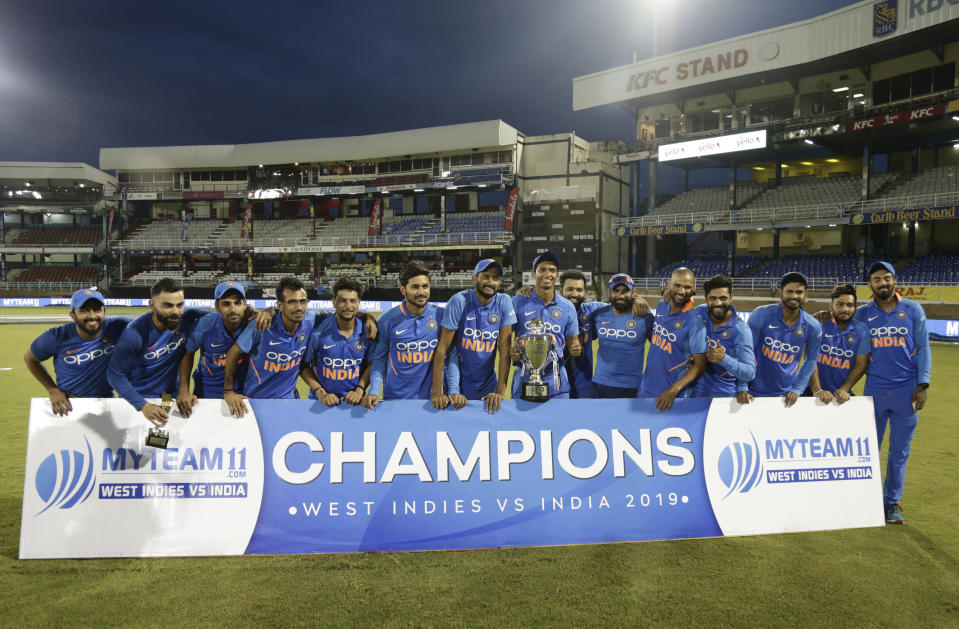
<point>546,325</point>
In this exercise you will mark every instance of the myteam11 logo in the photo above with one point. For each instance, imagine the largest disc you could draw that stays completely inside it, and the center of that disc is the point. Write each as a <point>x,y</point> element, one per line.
<point>739,466</point>
<point>65,478</point>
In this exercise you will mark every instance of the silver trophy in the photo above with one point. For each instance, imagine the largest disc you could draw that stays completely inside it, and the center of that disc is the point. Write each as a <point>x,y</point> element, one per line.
<point>158,437</point>
<point>537,348</point>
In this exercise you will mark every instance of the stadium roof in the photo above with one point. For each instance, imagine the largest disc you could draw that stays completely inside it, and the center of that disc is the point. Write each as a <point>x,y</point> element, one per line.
<point>489,133</point>
<point>58,171</point>
<point>855,36</point>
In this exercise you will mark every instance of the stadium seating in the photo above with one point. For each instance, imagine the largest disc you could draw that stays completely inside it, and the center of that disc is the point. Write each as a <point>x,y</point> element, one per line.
<point>89,275</point>
<point>708,265</point>
<point>198,232</point>
<point>352,228</point>
<point>806,191</point>
<point>938,267</point>
<point>944,179</point>
<point>88,236</point>
<point>708,199</point>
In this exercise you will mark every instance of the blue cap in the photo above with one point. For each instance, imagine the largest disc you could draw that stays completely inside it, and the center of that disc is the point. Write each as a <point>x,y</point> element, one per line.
<point>483,265</point>
<point>879,265</point>
<point>793,276</point>
<point>621,278</point>
<point>225,286</point>
<point>546,256</point>
<point>83,295</point>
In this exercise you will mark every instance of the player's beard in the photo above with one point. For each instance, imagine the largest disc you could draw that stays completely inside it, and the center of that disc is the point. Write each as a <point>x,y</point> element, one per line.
<point>577,301</point>
<point>884,292</point>
<point>169,322</point>
<point>91,326</point>
<point>622,304</point>
<point>718,313</point>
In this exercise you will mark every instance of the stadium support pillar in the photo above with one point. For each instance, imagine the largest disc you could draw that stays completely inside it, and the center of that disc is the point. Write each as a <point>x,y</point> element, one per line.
<point>915,160</point>
<point>651,240</point>
<point>911,240</point>
<point>866,169</point>
<point>779,171</point>
<point>633,211</point>
<point>685,180</point>
<point>775,244</point>
<point>732,186</point>
<point>443,212</point>
<point>3,267</point>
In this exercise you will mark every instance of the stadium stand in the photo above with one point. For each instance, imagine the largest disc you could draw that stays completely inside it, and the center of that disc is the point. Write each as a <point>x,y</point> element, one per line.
<point>58,274</point>
<point>938,267</point>
<point>172,231</point>
<point>708,265</point>
<point>58,236</point>
<point>708,199</point>
<point>805,191</point>
<point>353,228</point>
<point>933,181</point>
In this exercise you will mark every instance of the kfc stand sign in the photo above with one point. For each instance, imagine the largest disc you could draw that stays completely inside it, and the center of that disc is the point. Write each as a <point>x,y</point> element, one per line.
<point>933,111</point>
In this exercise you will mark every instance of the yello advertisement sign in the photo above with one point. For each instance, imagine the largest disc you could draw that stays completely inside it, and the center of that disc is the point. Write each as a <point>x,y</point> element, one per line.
<point>297,477</point>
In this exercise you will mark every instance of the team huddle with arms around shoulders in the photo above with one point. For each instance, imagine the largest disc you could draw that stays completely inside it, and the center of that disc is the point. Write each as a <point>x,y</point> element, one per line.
<point>466,350</point>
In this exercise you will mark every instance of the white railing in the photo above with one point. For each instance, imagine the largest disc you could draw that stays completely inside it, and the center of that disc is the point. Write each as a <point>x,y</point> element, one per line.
<point>770,216</point>
<point>658,284</point>
<point>46,286</point>
<point>355,242</point>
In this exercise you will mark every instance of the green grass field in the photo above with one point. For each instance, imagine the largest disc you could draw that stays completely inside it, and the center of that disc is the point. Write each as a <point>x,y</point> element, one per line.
<point>895,576</point>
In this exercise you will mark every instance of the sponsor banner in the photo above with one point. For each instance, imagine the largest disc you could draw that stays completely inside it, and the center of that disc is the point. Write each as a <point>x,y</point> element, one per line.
<point>511,209</point>
<point>931,111</point>
<point>95,490</point>
<point>304,249</point>
<point>141,196</point>
<point>713,146</point>
<point>375,221</point>
<point>397,187</point>
<point>303,478</point>
<point>885,17</point>
<point>247,214</point>
<point>656,230</point>
<point>626,158</point>
<point>330,190</point>
<point>902,216</point>
<point>916,293</point>
<point>212,194</point>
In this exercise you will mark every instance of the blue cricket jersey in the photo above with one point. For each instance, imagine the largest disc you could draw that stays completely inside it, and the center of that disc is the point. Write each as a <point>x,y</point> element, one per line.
<point>838,352</point>
<point>211,338</point>
<point>559,316</point>
<point>275,356</point>
<point>146,361</point>
<point>580,369</point>
<point>779,348</point>
<point>676,337</point>
<point>337,361</point>
<point>737,368</point>
<point>80,365</point>
<point>900,343</point>
<point>403,355</point>
<point>622,344</point>
<point>477,328</point>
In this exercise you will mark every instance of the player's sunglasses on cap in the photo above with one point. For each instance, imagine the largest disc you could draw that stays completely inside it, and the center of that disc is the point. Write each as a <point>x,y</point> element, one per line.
<point>621,278</point>
<point>83,295</point>
<point>223,287</point>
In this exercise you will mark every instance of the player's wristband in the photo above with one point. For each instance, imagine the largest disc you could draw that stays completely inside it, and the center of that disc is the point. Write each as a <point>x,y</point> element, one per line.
<point>318,389</point>
<point>923,385</point>
<point>360,387</point>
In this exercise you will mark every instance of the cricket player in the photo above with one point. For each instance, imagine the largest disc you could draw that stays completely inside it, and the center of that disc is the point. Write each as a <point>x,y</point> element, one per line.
<point>677,351</point>
<point>480,321</point>
<point>80,350</point>
<point>897,377</point>
<point>786,342</point>
<point>730,362</point>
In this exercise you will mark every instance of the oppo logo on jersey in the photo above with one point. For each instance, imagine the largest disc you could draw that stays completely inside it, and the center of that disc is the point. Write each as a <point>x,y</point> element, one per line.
<point>415,346</point>
<point>281,361</point>
<point>663,338</point>
<point>549,325</point>
<point>415,351</point>
<point>829,350</point>
<point>166,349</point>
<point>613,333</point>
<point>480,341</point>
<point>890,336</point>
<point>779,352</point>
<point>337,363</point>
<point>79,359</point>
<point>481,335</point>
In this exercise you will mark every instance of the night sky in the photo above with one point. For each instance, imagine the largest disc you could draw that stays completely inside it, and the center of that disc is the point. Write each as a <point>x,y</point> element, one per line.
<point>77,76</point>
